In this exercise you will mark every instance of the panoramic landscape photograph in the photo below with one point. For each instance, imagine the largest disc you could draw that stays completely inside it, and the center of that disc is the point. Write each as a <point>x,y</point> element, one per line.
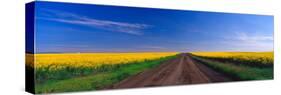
<point>85,47</point>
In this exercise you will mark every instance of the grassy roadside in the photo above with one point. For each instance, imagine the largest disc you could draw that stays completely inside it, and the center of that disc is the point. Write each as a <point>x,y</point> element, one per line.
<point>98,80</point>
<point>238,72</point>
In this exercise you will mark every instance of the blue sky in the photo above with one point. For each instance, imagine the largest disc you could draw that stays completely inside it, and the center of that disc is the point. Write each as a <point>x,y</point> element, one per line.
<point>65,27</point>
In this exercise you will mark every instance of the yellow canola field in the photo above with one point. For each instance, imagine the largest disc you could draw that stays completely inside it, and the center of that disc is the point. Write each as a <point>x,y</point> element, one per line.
<point>262,57</point>
<point>93,60</point>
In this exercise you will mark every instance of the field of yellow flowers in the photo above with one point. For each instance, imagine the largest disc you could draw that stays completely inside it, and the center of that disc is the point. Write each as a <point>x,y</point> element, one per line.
<point>67,65</point>
<point>92,60</point>
<point>249,58</point>
<point>239,65</point>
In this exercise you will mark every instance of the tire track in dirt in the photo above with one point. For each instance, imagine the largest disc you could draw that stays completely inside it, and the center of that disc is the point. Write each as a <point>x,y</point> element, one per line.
<point>180,70</point>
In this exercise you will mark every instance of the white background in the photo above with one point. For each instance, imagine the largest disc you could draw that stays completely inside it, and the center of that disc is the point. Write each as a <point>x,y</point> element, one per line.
<point>12,47</point>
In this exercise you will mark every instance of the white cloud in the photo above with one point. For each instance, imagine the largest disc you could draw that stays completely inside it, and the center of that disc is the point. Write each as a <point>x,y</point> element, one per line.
<point>252,38</point>
<point>241,41</point>
<point>114,26</point>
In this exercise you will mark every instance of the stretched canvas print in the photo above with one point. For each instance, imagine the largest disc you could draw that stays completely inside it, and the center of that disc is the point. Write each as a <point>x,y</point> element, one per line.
<point>85,47</point>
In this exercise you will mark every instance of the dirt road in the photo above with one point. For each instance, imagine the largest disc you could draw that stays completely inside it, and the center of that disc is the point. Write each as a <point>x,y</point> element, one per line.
<point>181,70</point>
